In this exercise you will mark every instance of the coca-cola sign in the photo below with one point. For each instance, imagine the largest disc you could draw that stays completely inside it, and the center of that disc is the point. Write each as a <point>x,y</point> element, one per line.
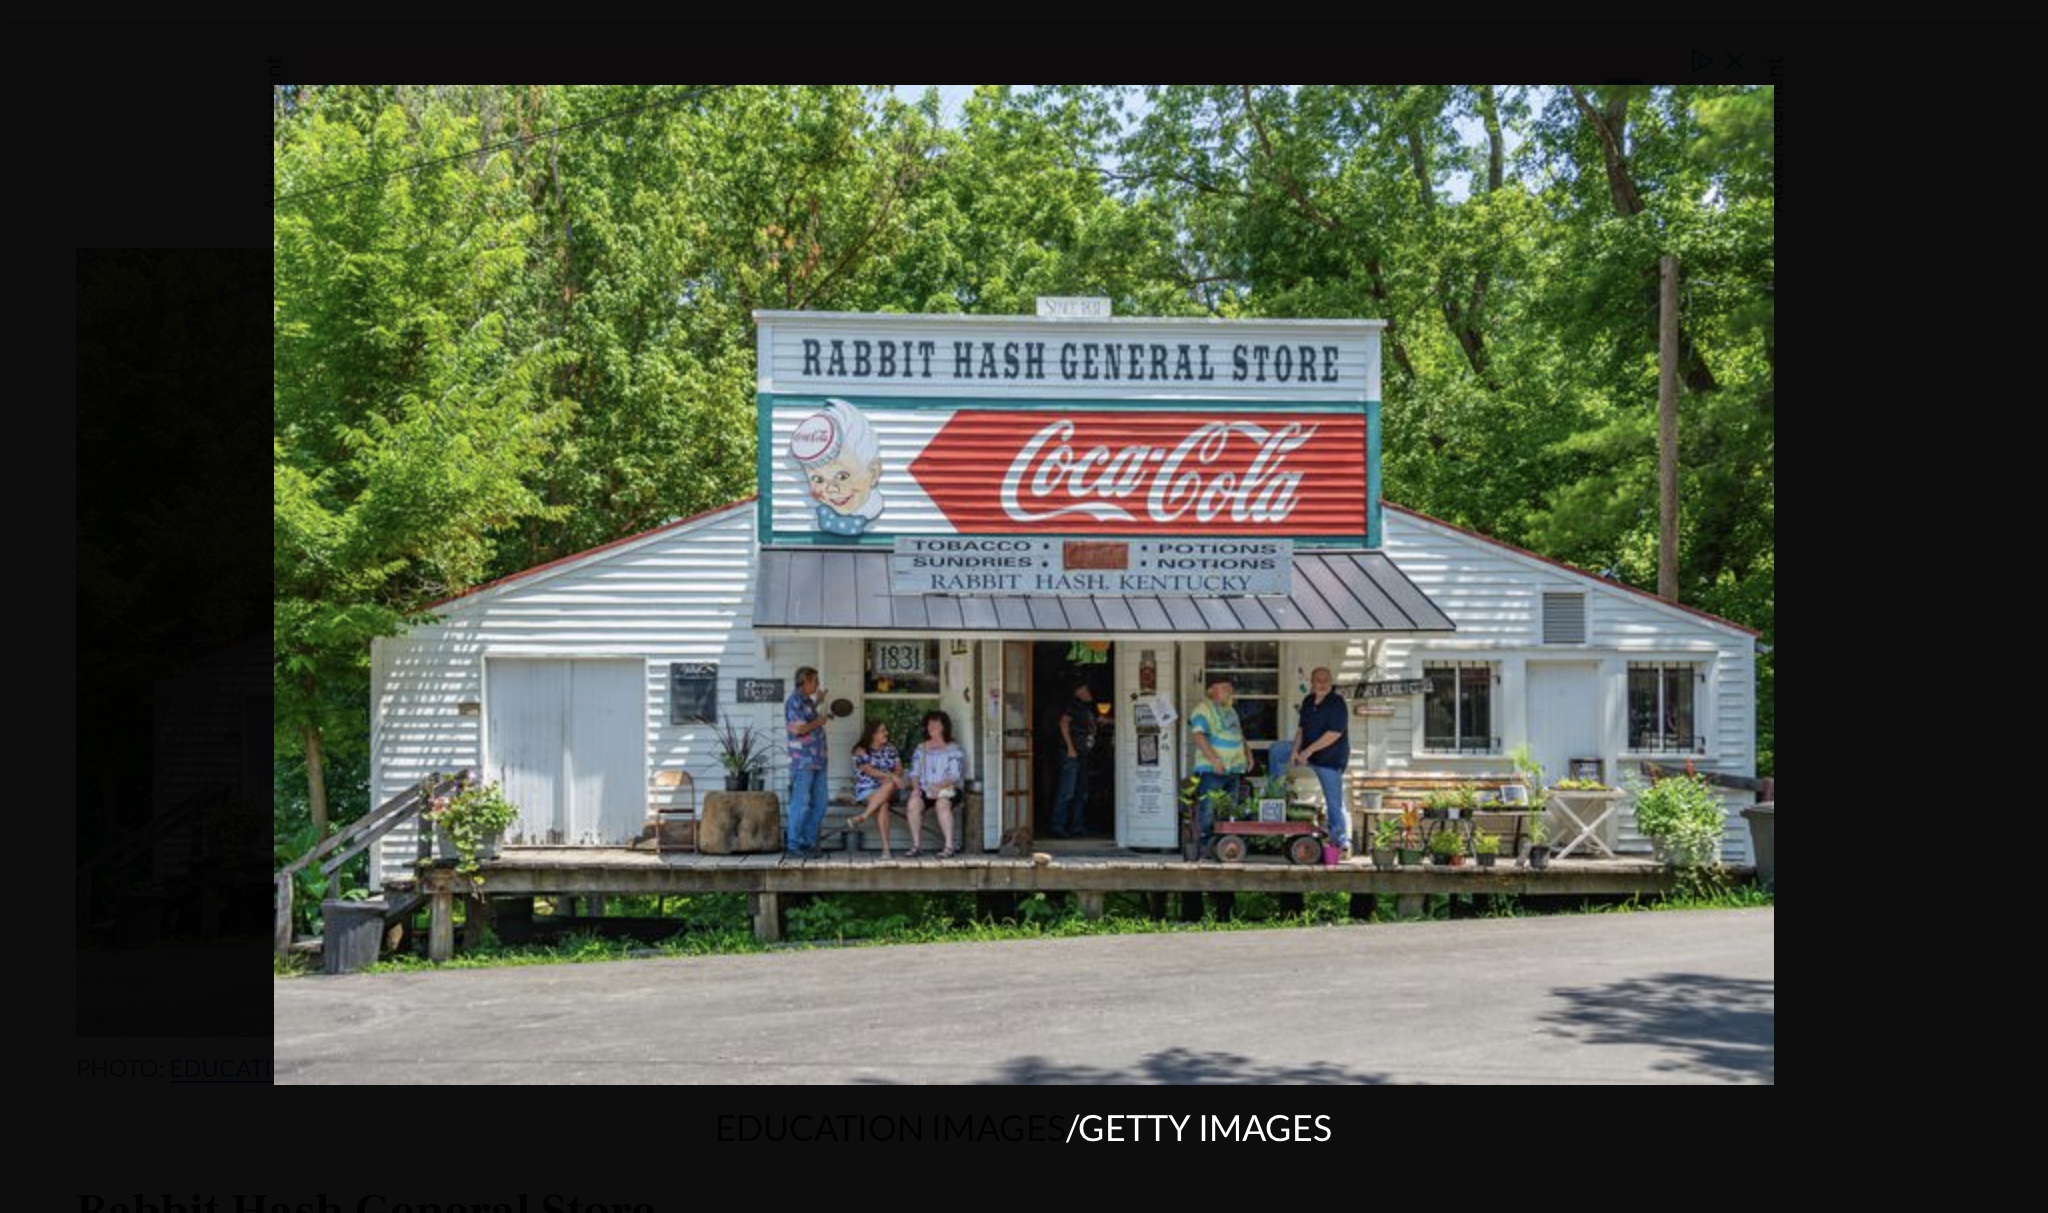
<point>1140,472</point>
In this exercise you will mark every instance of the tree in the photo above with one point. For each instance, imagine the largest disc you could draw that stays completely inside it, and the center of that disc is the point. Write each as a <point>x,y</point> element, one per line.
<point>409,420</point>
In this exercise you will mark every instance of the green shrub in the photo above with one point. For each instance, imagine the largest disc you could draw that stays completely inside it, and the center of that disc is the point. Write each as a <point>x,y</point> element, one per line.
<point>1682,816</point>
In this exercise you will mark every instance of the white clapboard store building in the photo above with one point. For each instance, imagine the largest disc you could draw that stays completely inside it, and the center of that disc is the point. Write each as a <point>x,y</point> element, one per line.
<point>973,514</point>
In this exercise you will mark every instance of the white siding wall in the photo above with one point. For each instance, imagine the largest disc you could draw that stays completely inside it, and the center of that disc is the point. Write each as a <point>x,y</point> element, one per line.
<point>687,595</point>
<point>682,595</point>
<point>1495,596</point>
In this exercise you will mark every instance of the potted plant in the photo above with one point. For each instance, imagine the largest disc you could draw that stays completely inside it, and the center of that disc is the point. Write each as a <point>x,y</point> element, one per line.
<point>1683,819</point>
<point>1486,846</point>
<point>1409,849</point>
<point>1190,828</point>
<point>1386,838</point>
<point>468,825</point>
<point>1446,848</point>
<point>1539,841</point>
<point>741,753</point>
<point>1437,805</point>
<point>1528,768</point>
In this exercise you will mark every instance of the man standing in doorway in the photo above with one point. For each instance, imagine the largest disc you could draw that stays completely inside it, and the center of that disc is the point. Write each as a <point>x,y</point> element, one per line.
<point>1077,735</point>
<point>1220,754</point>
<point>806,728</point>
<point>1321,743</point>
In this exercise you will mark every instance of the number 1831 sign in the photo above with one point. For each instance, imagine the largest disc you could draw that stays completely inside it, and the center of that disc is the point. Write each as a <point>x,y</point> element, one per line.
<point>900,660</point>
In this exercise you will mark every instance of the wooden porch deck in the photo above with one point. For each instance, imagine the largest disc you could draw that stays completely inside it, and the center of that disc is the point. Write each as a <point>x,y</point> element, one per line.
<point>1088,871</point>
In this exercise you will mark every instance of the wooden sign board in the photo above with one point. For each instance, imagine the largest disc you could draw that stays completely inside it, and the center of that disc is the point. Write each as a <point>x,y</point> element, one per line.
<point>759,690</point>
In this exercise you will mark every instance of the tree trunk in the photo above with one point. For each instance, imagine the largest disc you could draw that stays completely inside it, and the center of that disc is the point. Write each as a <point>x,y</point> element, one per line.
<point>1496,147</point>
<point>1610,126</point>
<point>316,782</point>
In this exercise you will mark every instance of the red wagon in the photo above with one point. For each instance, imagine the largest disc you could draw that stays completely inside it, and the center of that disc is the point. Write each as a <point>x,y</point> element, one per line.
<point>1304,844</point>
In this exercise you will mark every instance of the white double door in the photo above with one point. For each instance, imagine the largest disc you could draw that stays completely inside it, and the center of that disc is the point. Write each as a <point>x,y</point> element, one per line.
<point>567,742</point>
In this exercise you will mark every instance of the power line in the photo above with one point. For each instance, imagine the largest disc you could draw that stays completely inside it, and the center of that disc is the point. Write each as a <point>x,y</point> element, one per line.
<point>501,144</point>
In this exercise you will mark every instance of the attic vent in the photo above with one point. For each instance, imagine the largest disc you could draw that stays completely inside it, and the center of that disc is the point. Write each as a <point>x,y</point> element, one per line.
<point>1564,619</point>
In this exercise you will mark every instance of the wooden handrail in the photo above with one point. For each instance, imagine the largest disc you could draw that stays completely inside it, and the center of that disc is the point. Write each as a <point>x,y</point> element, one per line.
<point>340,847</point>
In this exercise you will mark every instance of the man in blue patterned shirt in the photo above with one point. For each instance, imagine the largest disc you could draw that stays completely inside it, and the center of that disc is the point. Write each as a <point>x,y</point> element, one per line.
<point>806,728</point>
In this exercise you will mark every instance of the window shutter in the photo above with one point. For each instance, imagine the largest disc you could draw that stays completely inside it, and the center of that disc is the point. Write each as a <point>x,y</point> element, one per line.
<point>1564,619</point>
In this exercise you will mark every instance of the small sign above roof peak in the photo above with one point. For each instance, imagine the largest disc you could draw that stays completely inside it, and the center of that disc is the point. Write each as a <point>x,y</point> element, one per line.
<point>1072,307</point>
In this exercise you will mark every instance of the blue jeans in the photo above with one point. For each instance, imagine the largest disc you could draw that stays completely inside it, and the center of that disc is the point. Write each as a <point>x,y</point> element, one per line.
<point>1332,779</point>
<point>1070,808</point>
<point>1211,781</point>
<point>806,808</point>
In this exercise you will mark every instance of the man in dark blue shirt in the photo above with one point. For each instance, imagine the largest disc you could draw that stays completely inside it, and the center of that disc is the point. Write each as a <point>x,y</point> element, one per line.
<point>1322,743</point>
<point>1077,743</point>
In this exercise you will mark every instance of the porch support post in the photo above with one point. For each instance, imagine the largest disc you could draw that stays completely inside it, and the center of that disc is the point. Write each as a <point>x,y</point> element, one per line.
<point>767,911</point>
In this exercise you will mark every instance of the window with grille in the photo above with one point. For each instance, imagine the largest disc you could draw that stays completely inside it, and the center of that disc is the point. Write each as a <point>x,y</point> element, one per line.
<point>1564,619</point>
<point>1253,667</point>
<point>1457,709</point>
<point>1663,707</point>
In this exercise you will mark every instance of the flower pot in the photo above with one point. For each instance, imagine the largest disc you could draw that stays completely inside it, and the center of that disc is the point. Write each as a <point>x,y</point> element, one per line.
<point>1486,861</point>
<point>736,783</point>
<point>1409,856</point>
<point>1383,857</point>
<point>444,845</point>
<point>1539,856</point>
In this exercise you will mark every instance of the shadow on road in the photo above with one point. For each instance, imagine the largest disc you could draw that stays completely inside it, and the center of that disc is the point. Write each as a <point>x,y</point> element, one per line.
<point>1178,1067</point>
<point>1712,1026</point>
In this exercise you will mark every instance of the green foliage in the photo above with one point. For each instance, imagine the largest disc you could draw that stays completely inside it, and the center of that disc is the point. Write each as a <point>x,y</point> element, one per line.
<point>1446,842</point>
<point>1682,815</point>
<point>1386,835</point>
<point>1527,767</point>
<point>1223,806</point>
<point>1485,843</point>
<point>1464,797</point>
<point>487,360</point>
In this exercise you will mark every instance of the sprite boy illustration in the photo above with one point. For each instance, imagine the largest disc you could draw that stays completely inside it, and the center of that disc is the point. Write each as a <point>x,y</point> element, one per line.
<point>835,455</point>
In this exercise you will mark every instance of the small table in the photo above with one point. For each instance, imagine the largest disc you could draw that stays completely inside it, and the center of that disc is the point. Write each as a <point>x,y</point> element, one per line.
<point>1587,812</point>
<point>1466,823</point>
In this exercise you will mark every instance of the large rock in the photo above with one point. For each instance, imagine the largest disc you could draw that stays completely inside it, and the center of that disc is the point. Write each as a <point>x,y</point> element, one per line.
<point>740,823</point>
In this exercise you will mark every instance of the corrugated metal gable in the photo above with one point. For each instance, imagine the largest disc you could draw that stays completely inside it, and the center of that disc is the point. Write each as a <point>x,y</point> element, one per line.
<point>847,590</point>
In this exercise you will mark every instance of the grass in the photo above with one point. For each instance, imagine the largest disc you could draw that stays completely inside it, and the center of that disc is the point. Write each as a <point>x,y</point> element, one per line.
<point>716,924</point>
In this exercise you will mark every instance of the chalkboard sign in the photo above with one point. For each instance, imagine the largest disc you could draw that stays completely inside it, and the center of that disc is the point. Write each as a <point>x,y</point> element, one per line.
<point>760,690</point>
<point>693,692</point>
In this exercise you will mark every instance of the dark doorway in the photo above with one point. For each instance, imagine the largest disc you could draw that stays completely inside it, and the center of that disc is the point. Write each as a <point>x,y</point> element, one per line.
<point>1057,667</point>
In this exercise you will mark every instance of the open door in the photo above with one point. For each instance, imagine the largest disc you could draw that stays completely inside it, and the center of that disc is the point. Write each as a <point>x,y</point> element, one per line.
<point>1016,739</point>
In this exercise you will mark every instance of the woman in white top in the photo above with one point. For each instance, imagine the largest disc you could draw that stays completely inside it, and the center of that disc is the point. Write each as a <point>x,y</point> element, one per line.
<point>935,773</point>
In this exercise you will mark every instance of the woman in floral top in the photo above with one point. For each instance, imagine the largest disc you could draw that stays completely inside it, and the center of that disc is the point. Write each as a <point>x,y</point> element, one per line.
<point>878,773</point>
<point>935,774</point>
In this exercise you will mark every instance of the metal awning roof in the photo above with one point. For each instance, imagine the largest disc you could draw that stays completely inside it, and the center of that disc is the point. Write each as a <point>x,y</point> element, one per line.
<point>839,590</point>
